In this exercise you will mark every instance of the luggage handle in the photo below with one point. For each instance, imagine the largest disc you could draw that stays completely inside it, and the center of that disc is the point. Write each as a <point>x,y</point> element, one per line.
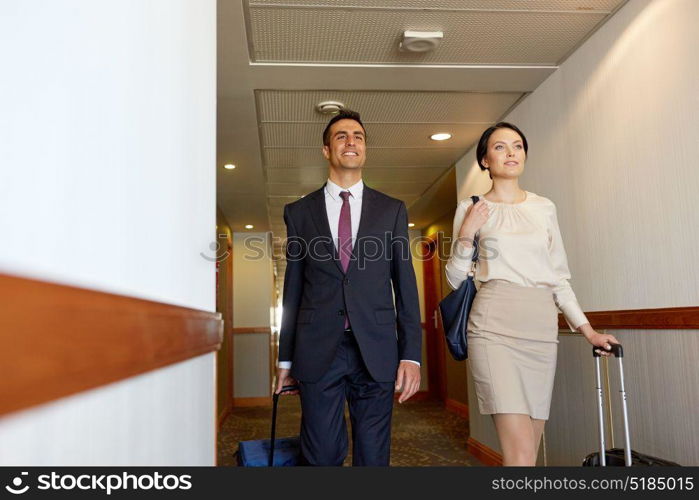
<point>275,402</point>
<point>618,352</point>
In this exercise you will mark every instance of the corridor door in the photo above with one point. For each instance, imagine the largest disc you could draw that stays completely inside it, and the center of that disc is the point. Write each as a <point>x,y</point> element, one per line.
<point>436,373</point>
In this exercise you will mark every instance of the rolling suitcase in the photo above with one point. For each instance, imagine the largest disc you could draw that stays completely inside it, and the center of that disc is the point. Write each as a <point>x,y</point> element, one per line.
<point>617,456</point>
<point>283,452</point>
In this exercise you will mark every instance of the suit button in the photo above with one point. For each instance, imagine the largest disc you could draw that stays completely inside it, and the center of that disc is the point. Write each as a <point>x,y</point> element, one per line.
<point>346,281</point>
<point>341,312</point>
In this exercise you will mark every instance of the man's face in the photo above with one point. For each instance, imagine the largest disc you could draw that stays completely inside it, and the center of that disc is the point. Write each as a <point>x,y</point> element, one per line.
<point>347,147</point>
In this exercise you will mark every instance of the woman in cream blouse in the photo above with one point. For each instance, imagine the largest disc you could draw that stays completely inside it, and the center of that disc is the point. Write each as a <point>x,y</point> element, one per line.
<point>523,271</point>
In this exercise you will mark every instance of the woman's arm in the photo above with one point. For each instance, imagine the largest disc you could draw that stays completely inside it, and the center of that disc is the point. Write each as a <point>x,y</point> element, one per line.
<point>468,220</point>
<point>563,293</point>
<point>459,263</point>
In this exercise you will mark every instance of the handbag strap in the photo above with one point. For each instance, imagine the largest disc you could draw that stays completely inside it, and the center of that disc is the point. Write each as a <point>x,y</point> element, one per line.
<point>474,256</point>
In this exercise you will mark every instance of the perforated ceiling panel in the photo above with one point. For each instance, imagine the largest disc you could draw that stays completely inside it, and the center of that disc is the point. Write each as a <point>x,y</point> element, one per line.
<point>575,5</point>
<point>392,135</point>
<point>386,107</point>
<point>398,128</point>
<point>389,157</point>
<point>310,175</point>
<point>280,201</point>
<point>332,35</point>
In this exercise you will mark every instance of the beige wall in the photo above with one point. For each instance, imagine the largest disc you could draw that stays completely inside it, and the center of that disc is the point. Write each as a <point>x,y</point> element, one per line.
<point>251,376</point>
<point>254,280</point>
<point>415,236</point>
<point>418,266</point>
<point>253,307</point>
<point>613,139</point>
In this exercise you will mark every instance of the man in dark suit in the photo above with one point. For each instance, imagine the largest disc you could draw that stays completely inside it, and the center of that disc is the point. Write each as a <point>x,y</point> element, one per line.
<point>351,318</point>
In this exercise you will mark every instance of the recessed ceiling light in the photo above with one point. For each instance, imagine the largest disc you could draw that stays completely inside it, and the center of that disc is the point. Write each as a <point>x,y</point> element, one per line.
<point>420,41</point>
<point>229,166</point>
<point>440,137</point>
<point>411,224</point>
<point>249,226</point>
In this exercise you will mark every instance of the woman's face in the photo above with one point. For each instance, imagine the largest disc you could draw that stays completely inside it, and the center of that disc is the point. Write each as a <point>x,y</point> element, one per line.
<point>505,155</point>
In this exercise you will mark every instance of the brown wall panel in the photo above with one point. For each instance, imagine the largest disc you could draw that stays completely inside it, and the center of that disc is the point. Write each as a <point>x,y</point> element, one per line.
<point>58,340</point>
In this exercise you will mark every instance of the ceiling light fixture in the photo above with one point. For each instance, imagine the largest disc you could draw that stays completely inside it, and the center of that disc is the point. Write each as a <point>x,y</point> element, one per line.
<point>329,107</point>
<point>420,41</point>
<point>249,226</point>
<point>229,166</point>
<point>443,136</point>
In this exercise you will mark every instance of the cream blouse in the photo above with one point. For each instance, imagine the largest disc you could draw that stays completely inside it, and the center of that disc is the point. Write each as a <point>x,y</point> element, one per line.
<point>520,243</point>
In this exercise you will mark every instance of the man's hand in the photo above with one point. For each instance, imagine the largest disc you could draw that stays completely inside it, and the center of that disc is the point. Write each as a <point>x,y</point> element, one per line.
<point>407,380</point>
<point>284,379</point>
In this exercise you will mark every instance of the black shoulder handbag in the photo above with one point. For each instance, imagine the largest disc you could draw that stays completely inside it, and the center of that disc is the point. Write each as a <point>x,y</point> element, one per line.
<point>454,309</point>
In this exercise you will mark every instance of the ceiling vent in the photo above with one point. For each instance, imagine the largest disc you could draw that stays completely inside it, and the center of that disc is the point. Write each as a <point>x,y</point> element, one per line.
<point>420,41</point>
<point>329,107</point>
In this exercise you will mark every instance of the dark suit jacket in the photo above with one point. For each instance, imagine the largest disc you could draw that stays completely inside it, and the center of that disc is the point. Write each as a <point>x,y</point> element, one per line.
<point>318,294</point>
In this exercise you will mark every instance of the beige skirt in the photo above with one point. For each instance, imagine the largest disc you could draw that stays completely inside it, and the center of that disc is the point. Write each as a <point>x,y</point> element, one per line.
<point>512,348</point>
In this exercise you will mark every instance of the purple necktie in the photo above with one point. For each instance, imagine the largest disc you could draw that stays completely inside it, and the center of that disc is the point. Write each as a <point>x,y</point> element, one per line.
<point>344,237</point>
<point>344,232</point>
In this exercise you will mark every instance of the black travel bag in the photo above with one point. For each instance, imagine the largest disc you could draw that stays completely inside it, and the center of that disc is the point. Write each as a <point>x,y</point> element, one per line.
<point>282,452</point>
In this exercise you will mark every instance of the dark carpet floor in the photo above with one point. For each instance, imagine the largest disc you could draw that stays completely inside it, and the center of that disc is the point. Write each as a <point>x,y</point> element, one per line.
<point>423,434</point>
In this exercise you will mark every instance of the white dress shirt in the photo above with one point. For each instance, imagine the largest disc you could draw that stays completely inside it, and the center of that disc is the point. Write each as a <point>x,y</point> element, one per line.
<point>333,205</point>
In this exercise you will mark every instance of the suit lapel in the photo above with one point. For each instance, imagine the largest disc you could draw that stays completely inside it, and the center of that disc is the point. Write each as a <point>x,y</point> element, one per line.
<point>319,213</point>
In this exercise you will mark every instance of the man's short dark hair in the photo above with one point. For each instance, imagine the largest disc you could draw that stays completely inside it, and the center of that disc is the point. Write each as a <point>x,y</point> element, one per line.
<point>482,147</point>
<point>344,114</point>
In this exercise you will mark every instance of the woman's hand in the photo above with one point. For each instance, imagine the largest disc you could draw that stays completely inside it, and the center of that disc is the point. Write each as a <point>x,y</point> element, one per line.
<point>602,340</point>
<point>476,216</point>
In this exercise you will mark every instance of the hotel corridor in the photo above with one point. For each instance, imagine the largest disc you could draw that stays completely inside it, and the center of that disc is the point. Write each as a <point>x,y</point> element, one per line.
<point>424,433</point>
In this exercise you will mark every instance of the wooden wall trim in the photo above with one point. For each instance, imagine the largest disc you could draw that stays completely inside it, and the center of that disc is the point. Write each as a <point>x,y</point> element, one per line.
<point>483,453</point>
<point>224,415</point>
<point>457,407</point>
<point>418,396</point>
<point>57,340</point>
<point>252,329</point>
<point>666,318</point>
<point>247,402</point>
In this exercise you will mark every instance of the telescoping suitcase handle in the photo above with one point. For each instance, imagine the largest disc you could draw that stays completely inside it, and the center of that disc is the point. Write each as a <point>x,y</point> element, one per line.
<point>618,352</point>
<point>275,402</point>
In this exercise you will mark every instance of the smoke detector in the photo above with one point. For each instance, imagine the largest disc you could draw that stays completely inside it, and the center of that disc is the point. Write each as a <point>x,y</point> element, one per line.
<point>420,41</point>
<point>329,107</point>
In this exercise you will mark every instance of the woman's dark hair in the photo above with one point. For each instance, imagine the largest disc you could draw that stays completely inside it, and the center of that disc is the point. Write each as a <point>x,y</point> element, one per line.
<point>344,114</point>
<point>482,148</point>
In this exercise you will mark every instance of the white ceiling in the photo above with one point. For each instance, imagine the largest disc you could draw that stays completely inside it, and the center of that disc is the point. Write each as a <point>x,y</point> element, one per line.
<point>475,32</point>
<point>402,161</point>
<point>278,58</point>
